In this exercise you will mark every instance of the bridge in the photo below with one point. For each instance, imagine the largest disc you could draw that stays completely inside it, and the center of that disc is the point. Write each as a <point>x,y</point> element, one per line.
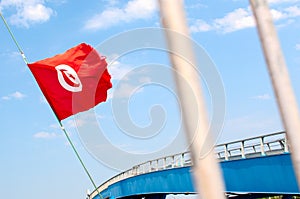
<point>255,167</point>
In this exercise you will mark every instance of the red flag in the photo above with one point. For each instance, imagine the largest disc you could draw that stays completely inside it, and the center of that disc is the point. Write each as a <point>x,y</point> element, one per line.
<point>74,81</point>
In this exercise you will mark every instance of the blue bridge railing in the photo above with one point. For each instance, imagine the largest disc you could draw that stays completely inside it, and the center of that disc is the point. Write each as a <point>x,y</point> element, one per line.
<point>265,145</point>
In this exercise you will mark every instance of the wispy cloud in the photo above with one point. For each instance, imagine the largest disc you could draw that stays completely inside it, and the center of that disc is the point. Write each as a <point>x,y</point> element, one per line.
<point>16,95</point>
<point>293,11</point>
<point>54,126</point>
<point>297,46</point>
<point>282,1</point>
<point>144,80</point>
<point>10,54</point>
<point>27,12</point>
<point>112,2</point>
<point>51,132</point>
<point>121,74</point>
<point>118,70</point>
<point>242,18</point>
<point>201,26</point>
<point>236,20</point>
<point>133,10</point>
<point>43,100</point>
<point>45,135</point>
<point>125,90</point>
<point>70,123</point>
<point>196,6</point>
<point>262,97</point>
<point>252,124</point>
<point>127,80</point>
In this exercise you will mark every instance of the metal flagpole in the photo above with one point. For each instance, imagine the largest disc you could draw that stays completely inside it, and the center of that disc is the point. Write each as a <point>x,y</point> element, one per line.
<point>78,156</point>
<point>280,78</point>
<point>14,39</point>
<point>206,172</point>
<point>60,123</point>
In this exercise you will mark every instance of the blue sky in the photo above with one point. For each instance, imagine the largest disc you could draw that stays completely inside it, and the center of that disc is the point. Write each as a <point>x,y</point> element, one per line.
<point>36,160</point>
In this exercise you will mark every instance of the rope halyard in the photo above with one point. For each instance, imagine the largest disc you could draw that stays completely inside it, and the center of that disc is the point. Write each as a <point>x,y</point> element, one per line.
<point>60,123</point>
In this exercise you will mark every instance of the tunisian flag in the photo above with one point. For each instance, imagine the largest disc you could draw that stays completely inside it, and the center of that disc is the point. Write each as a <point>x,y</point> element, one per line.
<point>74,81</point>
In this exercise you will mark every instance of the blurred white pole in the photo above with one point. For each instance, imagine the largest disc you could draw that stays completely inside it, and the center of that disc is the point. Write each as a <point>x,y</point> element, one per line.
<point>280,78</point>
<point>206,172</point>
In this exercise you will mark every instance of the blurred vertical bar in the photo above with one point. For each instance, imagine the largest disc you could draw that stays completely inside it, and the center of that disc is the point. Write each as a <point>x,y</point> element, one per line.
<point>206,171</point>
<point>280,78</point>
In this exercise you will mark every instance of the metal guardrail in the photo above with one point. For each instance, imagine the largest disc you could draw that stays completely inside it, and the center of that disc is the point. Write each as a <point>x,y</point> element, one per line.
<point>271,144</point>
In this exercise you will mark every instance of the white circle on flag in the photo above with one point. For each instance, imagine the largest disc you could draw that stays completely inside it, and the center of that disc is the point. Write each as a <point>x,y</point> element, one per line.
<point>65,72</point>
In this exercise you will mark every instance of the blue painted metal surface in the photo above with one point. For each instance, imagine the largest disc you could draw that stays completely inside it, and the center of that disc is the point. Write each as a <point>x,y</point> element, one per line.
<point>267,174</point>
<point>167,181</point>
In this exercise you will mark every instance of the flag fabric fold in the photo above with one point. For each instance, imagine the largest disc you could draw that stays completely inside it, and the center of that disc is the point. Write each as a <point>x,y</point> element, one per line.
<point>74,81</point>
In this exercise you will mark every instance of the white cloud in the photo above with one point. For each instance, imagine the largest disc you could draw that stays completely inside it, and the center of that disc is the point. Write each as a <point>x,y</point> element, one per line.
<point>293,11</point>
<point>112,2</point>
<point>282,1</point>
<point>277,15</point>
<point>54,126</point>
<point>27,12</point>
<point>242,18</point>
<point>45,135</point>
<point>144,79</point>
<point>99,117</point>
<point>118,70</point>
<point>16,95</point>
<point>10,54</point>
<point>125,90</point>
<point>297,46</point>
<point>5,98</point>
<point>236,20</point>
<point>262,97</point>
<point>124,79</point>
<point>74,123</point>
<point>70,123</point>
<point>200,26</point>
<point>251,125</point>
<point>195,5</point>
<point>133,10</point>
